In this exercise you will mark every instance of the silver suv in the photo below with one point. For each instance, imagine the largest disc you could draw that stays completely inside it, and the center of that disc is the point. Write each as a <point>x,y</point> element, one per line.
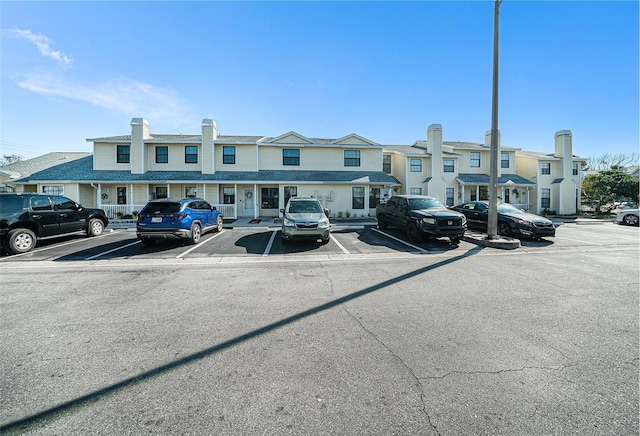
<point>305,218</point>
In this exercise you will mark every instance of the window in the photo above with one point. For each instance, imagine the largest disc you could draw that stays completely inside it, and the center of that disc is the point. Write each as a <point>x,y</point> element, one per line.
<point>122,194</point>
<point>545,168</point>
<point>475,159</point>
<point>504,160</point>
<point>228,155</point>
<point>374,197</point>
<point>291,156</point>
<point>63,203</point>
<point>545,198</point>
<point>161,192</point>
<point>357,197</point>
<point>506,196</point>
<point>415,191</point>
<point>53,190</point>
<point>162,154</point>
<point>352,158</point>
<point>484,192</point>
<point>415,165</point>
<point>191,154</point>
<point>575,169</point>
<point>448,165</point>
<point>37,203</point>
<point>386,163</point>
<point>449,196</point>
<point>290,191</point>
<point>123,154</point>
<point>270,197</point>
<point>228,196</point>
<point>190,192</point>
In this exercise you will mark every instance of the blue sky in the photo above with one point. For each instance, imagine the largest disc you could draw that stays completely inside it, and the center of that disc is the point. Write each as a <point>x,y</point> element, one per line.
<point>382,70</point>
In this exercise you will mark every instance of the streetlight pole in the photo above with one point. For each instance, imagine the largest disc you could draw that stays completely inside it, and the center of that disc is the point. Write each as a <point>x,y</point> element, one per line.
<point>492,223</point>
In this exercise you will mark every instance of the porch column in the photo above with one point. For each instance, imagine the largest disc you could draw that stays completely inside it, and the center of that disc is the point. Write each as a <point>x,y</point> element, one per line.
<point>130,200</point>
<point>255,201</point>
<point>99,194</point>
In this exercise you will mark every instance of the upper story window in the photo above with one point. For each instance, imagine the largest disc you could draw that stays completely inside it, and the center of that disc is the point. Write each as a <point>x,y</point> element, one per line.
<point>449,165</point>
<point>386,163</point>
<point>415,165</point>
<point>545,168</point>
<point>575,169</point>
<point>504,160</point>
<point>229,154</point>
<point>123,154</point>
<point>352,158</point>
<point>162,154</point>
<point>291,156</point>
<point>190,154</point>
<point>475,159</point>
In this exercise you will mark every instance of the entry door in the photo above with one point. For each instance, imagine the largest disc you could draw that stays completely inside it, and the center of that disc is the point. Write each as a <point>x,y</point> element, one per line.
<point>248,201</point>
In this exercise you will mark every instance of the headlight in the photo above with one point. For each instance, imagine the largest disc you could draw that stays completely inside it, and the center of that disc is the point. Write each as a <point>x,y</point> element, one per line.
<point>323,224</point>
<point>288,223</point>
<point>429,220</point>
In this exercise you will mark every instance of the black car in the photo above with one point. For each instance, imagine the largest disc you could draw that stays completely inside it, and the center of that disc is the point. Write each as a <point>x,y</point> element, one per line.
<point>511,220</point>
<point>25,218</point>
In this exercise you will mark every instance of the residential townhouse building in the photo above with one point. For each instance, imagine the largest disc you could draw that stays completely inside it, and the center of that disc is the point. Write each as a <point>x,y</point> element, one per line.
<point>254,176</point>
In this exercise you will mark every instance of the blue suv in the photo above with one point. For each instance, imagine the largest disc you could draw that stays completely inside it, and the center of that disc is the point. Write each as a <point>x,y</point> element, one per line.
<point>188,219</point>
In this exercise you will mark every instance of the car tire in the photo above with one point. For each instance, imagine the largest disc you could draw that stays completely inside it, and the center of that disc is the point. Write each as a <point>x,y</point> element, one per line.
<point>382,224</point>
<point>285,241</point>
<point>455,241</point>
<point>20,241</point>
<point>196,233</point>
<point>325,241</point>
<point>630,220</point>
<point>504,229</point>
<point>218,224</point>
<point>95,228</point>
<point>414,233</point>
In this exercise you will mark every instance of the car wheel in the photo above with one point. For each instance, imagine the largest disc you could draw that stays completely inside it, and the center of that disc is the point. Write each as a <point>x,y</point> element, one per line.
<point>196,233</point>
<point>96,227</point>
<point>455,241</point>
<point>218,224</point>
<point>504,229</point>
<point>382,224</point>
<point>630,220</point>
<point>20,241</point>
<point>325,241</point>
<point>148,241</point>
<point>413,233</point>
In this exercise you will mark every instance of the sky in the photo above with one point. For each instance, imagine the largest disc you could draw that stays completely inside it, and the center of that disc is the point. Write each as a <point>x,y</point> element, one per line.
<point>382,70</point>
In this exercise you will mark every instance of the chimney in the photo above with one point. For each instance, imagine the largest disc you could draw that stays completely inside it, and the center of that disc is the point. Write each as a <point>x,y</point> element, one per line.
<point>209,135</point>
<point>564,150</point>
<point>139,132</point>
<point>436,186</point>
<point>487,138</point>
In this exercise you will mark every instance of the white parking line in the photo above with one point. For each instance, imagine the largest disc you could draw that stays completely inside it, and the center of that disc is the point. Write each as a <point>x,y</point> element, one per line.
<point>57,245</point>
<point>268,249</point>
<point>415,247</point>
<point>112,250</point>
<point>199,245</point>
<point>339,244</point>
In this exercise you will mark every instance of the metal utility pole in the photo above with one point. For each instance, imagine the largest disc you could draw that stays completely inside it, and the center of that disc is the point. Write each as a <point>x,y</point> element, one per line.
<point>492,223</point>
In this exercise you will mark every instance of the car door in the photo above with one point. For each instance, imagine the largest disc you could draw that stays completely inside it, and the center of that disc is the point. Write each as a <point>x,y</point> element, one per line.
<point>481,215</point>
<point>402,213</point>
<point>69,216</point>
<point>42,213</point>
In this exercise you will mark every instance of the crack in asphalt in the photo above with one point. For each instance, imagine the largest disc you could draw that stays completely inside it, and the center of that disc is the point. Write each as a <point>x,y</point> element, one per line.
<point>501,371</point>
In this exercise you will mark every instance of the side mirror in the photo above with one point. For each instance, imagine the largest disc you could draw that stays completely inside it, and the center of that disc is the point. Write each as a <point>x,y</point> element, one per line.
<point>213,208</point>
<point>79,207</point>
<point>281,210</point>
<point>326,212</point>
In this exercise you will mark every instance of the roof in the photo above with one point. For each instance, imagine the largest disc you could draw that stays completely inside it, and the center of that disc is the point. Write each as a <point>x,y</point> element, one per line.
<point>29,166</point>
<point>406,149</point>
<point>82,171</point>
<point>483,179</point>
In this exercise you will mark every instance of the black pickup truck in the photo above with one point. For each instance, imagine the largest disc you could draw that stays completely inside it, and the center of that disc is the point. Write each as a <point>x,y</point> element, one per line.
<point>421,216</point>
<point>27,217</point>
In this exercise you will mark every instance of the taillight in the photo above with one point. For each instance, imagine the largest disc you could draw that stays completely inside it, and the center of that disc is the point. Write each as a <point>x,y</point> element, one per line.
<point>180,216</point>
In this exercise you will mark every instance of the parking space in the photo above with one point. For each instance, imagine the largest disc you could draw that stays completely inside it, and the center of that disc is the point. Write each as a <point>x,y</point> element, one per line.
<point>348,240</point>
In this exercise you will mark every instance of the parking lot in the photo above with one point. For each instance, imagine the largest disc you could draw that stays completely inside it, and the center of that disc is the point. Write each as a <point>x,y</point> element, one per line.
<point>368,334</point>
<point>346,239</point>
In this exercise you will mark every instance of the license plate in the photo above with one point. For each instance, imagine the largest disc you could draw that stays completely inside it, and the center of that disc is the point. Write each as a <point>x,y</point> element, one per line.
<point>156,219</point>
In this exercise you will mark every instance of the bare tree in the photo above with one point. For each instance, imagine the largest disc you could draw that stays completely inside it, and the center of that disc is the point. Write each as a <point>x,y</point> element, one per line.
<point>8,159</point>
<point>611,160</point>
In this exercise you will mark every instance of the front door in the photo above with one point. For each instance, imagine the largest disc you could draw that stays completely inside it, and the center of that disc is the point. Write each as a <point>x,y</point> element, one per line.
<point>248,201</point>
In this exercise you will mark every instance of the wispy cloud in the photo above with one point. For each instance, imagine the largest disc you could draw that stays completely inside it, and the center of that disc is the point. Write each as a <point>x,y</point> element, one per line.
<point>126,96</point>
<point>44,46</point>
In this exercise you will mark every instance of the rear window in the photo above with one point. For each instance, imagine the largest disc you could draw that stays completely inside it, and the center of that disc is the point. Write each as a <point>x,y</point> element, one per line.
<point>11,204</point>
<point>161,207</point>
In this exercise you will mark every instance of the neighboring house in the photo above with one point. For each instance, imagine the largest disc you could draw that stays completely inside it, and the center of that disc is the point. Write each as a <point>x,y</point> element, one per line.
<point>18,170</point>
<point>254,176</point>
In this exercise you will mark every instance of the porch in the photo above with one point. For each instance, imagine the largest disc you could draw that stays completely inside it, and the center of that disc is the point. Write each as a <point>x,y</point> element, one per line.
<point>120,211</point>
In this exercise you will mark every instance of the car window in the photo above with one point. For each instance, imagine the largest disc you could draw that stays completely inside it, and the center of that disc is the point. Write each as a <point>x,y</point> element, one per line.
<point>63,203</point>
<point>470,206</point>
<point>40,203</point>
<point>161,207</point>
<point>481,207</point>
<point>305,207</point>
<point>425,203</point>
<point>11,204</point>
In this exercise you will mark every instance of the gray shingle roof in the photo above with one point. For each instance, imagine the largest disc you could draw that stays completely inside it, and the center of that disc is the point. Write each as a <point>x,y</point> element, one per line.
<point>483,179</point>
<point>82,171</point>
<point>29,166</point>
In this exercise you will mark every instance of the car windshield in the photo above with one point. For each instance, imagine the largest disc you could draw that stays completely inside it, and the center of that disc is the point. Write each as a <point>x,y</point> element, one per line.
<point>507,208</point>
<point>425,203</point>
<point>305,207</point>
<point>161,207</point>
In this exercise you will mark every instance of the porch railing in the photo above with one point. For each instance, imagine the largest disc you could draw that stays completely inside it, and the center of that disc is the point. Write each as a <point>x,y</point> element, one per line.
<point>117,211</point>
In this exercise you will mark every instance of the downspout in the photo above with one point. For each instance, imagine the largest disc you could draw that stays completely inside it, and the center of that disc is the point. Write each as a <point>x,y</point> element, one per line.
<point>98,194</point>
